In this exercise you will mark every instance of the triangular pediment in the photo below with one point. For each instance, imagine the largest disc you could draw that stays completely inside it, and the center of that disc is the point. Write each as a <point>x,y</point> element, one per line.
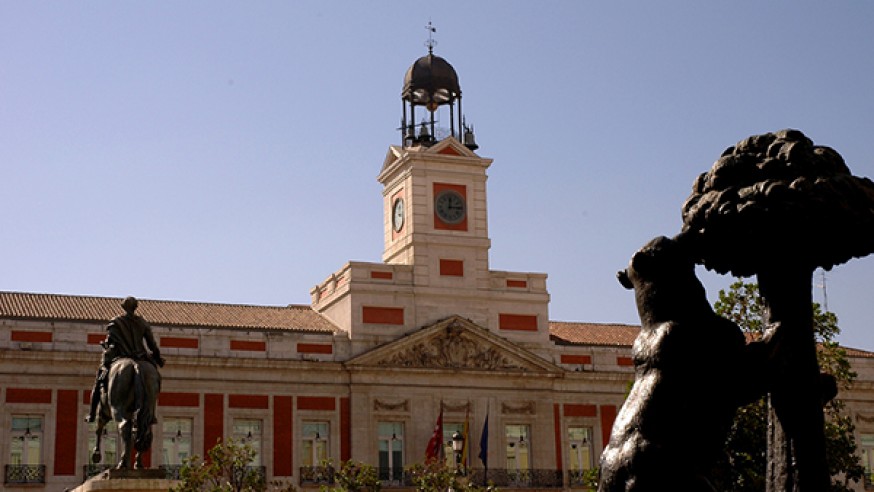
<point>454,343</point>
<point>447,146</point>
<point>394,153</point>
<point>451,146</point>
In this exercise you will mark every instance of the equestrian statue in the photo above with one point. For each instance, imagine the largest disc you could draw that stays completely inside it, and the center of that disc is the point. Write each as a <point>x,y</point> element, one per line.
<point>127,385</point>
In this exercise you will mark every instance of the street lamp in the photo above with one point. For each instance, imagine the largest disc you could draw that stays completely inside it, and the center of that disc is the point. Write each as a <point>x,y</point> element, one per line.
<point>457,448</point>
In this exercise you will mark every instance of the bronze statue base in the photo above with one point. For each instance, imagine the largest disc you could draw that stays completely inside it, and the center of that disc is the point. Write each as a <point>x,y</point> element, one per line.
<point>142,480</point>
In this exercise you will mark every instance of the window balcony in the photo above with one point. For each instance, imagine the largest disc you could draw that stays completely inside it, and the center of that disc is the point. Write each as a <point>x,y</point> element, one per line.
<point>25,474</point>
<point>509,479</point>
<point>93,469</point>
<point>172,471</point>
<point>316,475</point>
<point>394,477</point>
<point>242,472</point>
<point>502,478</point>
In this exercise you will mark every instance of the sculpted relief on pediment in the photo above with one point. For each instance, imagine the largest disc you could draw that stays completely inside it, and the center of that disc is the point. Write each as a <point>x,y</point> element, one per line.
<point>454,349</point>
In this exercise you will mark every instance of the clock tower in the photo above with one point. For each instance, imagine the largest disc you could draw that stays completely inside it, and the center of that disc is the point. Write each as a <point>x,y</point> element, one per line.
<point>434,191</point>
<point>436,220</point>
<point>435,261</point>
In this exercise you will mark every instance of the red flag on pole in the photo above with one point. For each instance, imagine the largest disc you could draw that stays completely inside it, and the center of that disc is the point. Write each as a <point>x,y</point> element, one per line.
<point>435,445</point>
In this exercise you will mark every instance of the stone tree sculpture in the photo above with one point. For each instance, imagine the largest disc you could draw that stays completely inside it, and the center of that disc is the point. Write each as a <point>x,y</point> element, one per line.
<point>777,206</point>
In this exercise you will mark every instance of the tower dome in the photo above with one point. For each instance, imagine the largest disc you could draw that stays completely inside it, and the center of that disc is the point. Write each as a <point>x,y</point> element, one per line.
<point>433,83</point>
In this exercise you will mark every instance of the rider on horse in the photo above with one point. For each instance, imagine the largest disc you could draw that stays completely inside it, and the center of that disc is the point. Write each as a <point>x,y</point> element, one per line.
<point>124,338</point>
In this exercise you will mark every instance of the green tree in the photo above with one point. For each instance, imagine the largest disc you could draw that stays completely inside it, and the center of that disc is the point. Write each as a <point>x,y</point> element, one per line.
<point>227,469</point>
<point>435,476</point>
<point>354,476</point>
<point>746,448</point>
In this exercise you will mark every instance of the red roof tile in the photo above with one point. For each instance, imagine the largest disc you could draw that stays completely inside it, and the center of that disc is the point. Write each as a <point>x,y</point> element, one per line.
<point>292,317</point>
<point>163,313</point>
<point>565,333</point>
<point>607,334</point>
<point>863,354</point>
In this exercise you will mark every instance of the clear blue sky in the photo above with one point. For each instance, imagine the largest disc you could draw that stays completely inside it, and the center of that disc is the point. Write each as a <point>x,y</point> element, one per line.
<point>228,151</point>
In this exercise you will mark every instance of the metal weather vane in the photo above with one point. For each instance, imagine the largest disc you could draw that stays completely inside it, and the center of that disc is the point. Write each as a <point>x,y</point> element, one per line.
<point>431,41</point>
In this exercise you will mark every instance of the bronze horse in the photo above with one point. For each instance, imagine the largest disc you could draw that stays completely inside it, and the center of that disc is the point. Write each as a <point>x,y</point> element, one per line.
<point>130,400</point>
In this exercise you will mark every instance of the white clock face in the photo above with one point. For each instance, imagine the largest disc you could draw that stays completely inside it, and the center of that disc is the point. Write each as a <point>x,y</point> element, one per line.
<point>450,207</point>
<point>397,217</point>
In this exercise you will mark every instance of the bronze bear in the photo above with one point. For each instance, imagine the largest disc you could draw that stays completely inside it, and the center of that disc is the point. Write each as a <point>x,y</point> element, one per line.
<point>693,369</point>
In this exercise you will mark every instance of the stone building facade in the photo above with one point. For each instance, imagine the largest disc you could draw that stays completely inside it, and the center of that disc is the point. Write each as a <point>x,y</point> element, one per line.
<point>288,382</point>
<point>365,371</point>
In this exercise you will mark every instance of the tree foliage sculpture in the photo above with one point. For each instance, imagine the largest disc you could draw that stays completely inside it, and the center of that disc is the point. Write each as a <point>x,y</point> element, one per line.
<point>745,459</point>
<point>777,206</point>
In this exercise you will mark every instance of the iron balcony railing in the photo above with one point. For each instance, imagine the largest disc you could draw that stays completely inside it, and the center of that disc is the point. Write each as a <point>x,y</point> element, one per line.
<point>505,478</point>
<point>241,472</point>
<point>397,477</point>
<point>394,477</point>
<point>24,474</point>
<point>324,475</point>
<point>93,469</point>
<point>577,478</point>
<point>502,478</point>
<point>171,471</point>
<point>316,475</point>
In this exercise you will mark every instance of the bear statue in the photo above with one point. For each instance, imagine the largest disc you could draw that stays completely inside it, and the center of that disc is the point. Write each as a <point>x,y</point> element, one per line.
<point>693,369</point>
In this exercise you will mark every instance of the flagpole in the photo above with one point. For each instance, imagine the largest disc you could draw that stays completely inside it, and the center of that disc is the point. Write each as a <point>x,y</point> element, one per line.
<point>465,431</point>
<point>442,444</point>
<point>484,448</point>
<point>435,451</point>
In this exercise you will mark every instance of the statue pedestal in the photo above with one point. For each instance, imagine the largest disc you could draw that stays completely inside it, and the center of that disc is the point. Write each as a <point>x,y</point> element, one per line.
<point>148,480</point>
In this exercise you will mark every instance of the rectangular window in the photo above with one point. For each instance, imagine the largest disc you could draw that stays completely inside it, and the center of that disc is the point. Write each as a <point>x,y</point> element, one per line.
<point>248,431</point>
<point>579,452</point>
<point>866,444</point>
<point>27,438</point>
<point>518,452</point>
<point>391,451</point>
<point>315,444</point>
<point>109,447</point>
<point>177,440</point>
<point>25,451</point>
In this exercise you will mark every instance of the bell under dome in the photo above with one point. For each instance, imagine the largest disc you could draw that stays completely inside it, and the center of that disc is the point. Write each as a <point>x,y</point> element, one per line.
<point>431,81</point>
